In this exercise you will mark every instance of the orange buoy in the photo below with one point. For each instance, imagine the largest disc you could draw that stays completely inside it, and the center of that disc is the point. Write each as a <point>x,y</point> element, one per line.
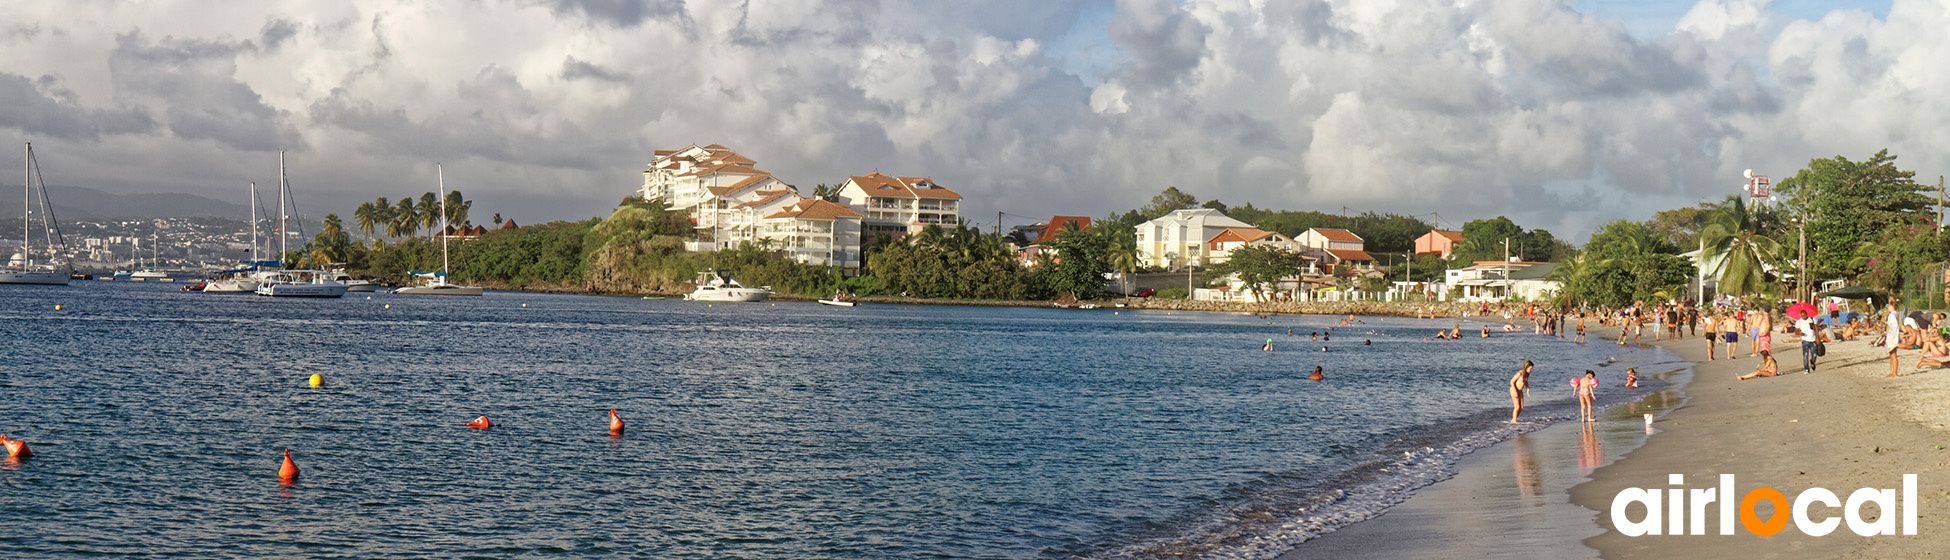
<point>481,423</point>
<point>615,423</point>
<point>16,448</point>
<point>289,470</point>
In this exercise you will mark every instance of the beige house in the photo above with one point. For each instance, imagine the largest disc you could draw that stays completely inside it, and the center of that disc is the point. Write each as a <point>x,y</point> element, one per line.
<point>1179,238</point>
<point>1338,247</point>
<point>1219,248</point>
<point>894,207</point>
<point>816,232</point>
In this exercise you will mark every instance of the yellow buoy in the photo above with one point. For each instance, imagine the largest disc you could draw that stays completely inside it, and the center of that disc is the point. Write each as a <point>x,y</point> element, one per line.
<point>317,380</point>
<point>524,305</point>
<point>57,307</point>
<point>389,306</point>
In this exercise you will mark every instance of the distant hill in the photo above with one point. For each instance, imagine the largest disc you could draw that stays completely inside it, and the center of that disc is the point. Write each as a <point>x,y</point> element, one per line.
<point>82,203</point>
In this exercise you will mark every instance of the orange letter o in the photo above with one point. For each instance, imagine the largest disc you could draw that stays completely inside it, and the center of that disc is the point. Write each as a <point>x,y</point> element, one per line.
<point>1752,521</point>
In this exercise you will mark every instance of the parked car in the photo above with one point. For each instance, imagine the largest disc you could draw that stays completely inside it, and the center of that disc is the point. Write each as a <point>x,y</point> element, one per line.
<point>1147,292</point>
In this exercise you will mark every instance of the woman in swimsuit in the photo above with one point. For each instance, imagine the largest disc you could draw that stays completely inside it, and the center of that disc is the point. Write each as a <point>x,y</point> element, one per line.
<point>1587,387</point>
<point>1519,385</point>
<point>1767,366</point>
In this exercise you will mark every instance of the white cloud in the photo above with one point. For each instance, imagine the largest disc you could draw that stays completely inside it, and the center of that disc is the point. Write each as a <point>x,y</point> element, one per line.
<point>1470,108</point>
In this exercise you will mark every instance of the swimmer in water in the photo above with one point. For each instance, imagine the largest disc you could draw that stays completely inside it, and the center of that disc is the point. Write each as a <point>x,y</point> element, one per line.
<point>1268,347</point>
<point>1631,378</point>
<point>1317,376</point>
<point>1315,337</point>
<point>1323,348</point>
<point>1367,343</point>
<point>1486,331</point>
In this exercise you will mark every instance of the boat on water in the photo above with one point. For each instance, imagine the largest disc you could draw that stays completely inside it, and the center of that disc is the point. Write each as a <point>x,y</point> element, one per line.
<point>712,286</point>
<point>301,283</point>
<point>245,280</point>
<point>21,269</point>
<point>296,283</point>
<point>840,298</point>
<point>436,282</point>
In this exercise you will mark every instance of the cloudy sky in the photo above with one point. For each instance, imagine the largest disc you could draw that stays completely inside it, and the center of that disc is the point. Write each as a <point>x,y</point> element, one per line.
<point>1559,114</point>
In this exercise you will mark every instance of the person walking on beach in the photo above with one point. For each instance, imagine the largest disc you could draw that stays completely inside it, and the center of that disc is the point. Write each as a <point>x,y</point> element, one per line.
<point>1519,386</point>
<point>1809,329</point>
<point>1891,338</point>
<point>1712,336</point>
<point>1730,331</point>
<point>1587,387</point>
<point>1760,332</point>
<point>1580,337</point>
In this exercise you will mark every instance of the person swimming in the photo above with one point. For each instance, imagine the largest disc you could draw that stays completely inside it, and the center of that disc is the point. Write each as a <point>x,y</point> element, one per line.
<point>1317,376</point>
<point>1268,347</point>
<point>1367,343</point>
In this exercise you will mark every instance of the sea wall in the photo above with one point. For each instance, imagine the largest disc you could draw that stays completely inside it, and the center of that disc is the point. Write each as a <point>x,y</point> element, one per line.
<point>1396,308</point>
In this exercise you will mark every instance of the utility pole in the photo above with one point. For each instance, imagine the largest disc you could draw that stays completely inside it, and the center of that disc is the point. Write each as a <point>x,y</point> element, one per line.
<point>1801,294</point>
<point>1409,276</point>
<point>1507,288</point>
<point>1699,272</point>
<point>998,223</point>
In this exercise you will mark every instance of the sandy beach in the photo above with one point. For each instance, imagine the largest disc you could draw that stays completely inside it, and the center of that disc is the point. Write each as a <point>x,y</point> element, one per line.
<point>1548,494</point>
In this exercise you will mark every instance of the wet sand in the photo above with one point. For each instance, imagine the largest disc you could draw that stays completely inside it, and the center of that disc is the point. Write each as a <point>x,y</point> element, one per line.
<point>1842,428</point>
<point>1511,500</point>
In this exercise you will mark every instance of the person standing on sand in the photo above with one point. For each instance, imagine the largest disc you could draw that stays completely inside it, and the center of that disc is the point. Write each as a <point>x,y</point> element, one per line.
<point>1587,387</point>
<point>1519,385</point>
<point>1580,338</point>
<point>1712,336</point>
<point>1809,329</point>
<point>1893,334</point>
<point>1730,331</point>
<point>1764,329</point>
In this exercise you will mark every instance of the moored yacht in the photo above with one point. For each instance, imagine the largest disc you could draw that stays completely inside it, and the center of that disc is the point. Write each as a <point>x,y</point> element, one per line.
<point>301,283</point>
<point>716,287</point>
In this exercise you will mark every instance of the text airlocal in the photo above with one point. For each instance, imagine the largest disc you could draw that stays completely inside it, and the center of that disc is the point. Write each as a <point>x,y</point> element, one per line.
<point>1682,511</point>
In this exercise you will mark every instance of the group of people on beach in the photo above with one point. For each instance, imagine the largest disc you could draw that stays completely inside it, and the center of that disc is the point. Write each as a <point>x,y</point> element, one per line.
<point>1584,387</point>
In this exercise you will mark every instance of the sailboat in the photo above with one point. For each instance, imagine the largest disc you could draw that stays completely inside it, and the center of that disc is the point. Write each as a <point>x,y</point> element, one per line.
<point>27,273</point>
<point>246,279</point>
<point>295,283</point>
<point>437,281</point>
<point>155,247</point>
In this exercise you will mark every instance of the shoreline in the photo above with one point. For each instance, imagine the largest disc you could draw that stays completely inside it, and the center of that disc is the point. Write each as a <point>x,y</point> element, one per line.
<point>1842,428</point>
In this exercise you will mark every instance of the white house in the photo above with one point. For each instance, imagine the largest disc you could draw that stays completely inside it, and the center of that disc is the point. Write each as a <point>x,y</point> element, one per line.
<point>893,207</point>
<point>1179,238</point>
<point>815,232</point>
<point>1219,248</point>
<point>1499,280</point>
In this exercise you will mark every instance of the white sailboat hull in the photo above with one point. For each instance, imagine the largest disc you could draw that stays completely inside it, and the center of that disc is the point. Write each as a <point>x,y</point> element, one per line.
<point>440,290</point>
<point>231,287</point>
<point>302,290</point>
<point>44,277</point>
<point>362,286</point>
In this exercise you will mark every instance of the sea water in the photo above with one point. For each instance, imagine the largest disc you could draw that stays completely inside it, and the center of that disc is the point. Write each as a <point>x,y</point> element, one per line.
<point>756,430</point>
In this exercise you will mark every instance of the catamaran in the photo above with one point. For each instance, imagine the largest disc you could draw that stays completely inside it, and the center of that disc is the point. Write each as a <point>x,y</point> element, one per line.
<point>295,283</point>
<point>436,282</point>
<point>27,272</point>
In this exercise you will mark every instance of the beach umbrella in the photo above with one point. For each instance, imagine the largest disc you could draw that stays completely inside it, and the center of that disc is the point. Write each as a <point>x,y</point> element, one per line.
<point>1878,298</point>
<point>1801,310</point>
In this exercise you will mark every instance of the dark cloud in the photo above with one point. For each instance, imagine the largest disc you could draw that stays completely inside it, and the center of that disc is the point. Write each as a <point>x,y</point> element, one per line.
<point>622,13</point>
<point>43,108</point>
<point>275,33</point>
<point>193,84</point>
<point>1161,39</point>
<point>573,69</point>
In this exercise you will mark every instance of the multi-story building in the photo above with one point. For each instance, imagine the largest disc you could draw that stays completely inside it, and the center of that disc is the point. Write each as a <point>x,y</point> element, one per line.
<point>1338,247</point>
<point>893,207</point>
<point>815,232</point>
<point>1219,248</point>
<point>1179,238</point>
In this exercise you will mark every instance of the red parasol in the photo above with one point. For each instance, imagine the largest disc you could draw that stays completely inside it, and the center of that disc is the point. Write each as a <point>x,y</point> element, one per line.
<point>1802,310</point>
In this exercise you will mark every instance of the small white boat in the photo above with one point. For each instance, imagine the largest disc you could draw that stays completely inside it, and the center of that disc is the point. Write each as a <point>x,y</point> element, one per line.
<point>301,283</point>
<point>712,287</point>
<point>837,302</point>
<point>239,281</point>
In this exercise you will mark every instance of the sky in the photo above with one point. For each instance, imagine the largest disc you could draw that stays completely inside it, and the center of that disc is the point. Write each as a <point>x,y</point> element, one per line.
<point>1561,115</point>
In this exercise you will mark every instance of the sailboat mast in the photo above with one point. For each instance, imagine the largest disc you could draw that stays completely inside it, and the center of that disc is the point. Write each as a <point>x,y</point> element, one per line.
<point>26,186</point>
<point>441,175</point>
<point>254,258</point>
<point>282,249</point>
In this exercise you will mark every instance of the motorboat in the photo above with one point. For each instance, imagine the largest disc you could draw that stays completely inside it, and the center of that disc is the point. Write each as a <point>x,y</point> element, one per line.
<point>239,281</point>
<point>716,287</point>
<point>840,298</point>
<point>301,283</point>
<point>353,284</point>
<point>837,302</point>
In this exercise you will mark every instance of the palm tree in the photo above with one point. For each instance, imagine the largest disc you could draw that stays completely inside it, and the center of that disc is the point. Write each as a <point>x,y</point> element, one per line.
<point>405,219</point>
<point>366,218</point>
<point>456,208</point>
<point>1737,253</point>
<point>429,211</point>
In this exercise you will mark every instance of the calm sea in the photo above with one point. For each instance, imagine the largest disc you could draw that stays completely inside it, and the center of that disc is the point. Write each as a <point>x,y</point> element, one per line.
<point>785,430</point>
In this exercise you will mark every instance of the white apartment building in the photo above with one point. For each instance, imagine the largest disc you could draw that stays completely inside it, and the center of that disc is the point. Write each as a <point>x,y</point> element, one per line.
<point>894,207</point>
<point>1179,238</point>
<point>816,232</point>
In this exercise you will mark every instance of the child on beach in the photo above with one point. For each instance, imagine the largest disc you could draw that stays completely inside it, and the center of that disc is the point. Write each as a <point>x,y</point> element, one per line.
<point>1586,387</point>
<point>1519,386</point>
<point>1631,378</point>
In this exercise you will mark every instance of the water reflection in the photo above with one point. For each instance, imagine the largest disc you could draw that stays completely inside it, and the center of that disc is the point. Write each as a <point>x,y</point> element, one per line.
<point>1529,477</point>
<point>1591,454</point>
